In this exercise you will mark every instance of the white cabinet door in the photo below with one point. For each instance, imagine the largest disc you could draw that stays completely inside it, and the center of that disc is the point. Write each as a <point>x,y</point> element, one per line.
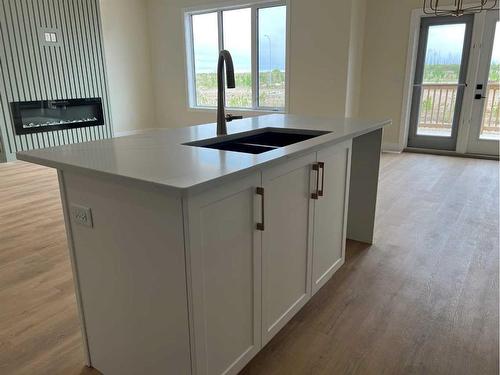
<point>286,242</point>
<point>330,212</point>
<point>224,253</point>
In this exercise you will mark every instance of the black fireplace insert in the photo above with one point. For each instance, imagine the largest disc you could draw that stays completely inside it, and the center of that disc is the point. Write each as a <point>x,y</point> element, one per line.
<point>50,115</point>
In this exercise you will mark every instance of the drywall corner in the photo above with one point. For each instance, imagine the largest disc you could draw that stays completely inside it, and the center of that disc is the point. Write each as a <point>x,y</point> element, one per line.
<point>355,60</point>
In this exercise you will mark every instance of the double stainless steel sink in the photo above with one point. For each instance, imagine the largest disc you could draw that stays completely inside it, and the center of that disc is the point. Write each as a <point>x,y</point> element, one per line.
<point>258,141</point>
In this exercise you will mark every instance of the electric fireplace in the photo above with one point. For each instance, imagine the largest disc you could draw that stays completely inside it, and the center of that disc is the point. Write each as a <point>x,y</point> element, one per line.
<point>49,115</point>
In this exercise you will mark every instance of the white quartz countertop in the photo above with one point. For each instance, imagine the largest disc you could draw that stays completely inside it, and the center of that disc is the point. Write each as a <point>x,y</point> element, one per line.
<point>159,156</point>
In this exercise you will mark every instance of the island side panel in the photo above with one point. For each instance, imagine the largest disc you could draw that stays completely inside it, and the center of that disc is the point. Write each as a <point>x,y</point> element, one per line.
<point>365,164</point>
<point>130,268</point>
<point>76,282</point>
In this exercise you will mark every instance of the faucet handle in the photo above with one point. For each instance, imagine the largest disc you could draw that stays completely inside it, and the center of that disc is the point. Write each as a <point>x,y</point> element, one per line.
<point>230,117</point>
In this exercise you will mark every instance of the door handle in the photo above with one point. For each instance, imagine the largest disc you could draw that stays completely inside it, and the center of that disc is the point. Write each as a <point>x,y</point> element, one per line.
<point>479,97</point>
<point>315,167</point>
<point>321,166</point>
<point>260,191</point>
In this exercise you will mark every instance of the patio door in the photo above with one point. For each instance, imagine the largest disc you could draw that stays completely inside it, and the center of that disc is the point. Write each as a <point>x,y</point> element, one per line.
<point>439,81</point>
<point>484,132</point>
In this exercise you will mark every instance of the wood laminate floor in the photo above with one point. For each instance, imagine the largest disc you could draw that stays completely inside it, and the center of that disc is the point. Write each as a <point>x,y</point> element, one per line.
<point>423,300</point>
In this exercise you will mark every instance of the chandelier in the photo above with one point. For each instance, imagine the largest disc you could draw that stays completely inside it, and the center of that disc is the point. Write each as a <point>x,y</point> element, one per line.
<point>458,8</point>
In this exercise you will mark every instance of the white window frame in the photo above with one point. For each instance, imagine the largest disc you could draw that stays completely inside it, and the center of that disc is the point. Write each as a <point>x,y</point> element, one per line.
<point>189,46</point>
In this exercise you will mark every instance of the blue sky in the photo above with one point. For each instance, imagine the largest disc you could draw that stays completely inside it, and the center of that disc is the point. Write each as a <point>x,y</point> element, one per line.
<point>495,58</point>
<point>445,42</point>
<point>237,39</point>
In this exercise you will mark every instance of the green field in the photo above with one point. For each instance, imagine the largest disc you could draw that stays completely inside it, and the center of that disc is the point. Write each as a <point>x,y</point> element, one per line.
<point>448,73</point>
<point>272,85</point>
<point>271,90</point>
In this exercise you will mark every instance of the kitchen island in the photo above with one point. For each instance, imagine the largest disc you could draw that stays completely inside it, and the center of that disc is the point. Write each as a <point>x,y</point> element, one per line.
<point>188,257</point>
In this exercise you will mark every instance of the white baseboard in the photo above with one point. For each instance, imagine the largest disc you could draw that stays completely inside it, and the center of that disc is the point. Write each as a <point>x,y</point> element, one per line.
<point>392,147</point>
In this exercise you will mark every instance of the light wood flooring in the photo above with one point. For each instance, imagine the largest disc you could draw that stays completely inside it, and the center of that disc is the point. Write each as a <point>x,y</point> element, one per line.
<point>423,300</point>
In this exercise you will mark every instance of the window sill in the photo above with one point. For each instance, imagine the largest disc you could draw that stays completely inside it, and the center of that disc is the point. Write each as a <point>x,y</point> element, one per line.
<point>236,110</point>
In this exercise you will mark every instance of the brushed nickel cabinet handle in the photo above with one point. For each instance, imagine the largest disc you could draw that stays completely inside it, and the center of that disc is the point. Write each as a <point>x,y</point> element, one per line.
<point>260,191</point>
<point>315,167</point>
<point>322,167</point>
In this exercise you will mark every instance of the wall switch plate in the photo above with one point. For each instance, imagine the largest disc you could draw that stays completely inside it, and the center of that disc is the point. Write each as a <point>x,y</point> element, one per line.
<point>81,215</point>
<point>50,37</point>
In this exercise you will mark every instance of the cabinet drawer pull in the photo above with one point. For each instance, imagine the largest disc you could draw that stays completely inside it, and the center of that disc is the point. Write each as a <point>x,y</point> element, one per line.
<point>322,167</point>
<point>260,191</point>
<point>315,167</point>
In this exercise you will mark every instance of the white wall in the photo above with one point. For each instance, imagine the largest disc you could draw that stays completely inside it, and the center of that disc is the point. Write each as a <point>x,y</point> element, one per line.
<point>128,60</point>
<point>385,49</point>
<point>384,61</point>
<point>319,56</point>
<point>355,66</point>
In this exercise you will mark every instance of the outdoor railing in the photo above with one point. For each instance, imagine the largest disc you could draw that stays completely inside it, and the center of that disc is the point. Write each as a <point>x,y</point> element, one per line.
<point>438,104</point>
<point>491,118</point>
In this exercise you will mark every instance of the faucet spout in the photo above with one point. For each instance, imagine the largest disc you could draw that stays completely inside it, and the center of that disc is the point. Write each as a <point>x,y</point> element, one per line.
<point>224,57</point>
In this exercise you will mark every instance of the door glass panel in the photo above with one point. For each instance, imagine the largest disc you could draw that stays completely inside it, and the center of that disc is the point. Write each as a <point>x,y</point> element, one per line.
<point>443,58</point>
<point>490,125</point>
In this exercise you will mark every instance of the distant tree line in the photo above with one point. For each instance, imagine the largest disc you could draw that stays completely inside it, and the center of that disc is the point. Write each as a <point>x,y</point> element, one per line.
<point>437,57</point>
<point>449,73</point>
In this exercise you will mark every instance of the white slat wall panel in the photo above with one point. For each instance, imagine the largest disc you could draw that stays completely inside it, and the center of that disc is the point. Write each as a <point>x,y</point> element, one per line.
<point>30,70</point>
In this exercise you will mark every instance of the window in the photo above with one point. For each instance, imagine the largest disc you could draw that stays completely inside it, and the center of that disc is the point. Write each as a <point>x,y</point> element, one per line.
<point>255,36</point>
